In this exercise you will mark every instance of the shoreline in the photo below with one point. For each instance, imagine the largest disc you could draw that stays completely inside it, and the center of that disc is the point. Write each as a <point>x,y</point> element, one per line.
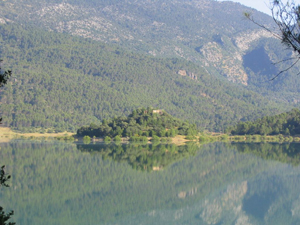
<point>7,134</point>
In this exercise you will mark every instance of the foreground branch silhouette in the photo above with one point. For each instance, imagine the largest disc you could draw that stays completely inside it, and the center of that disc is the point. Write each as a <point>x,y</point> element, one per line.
<point>287,18</point>
<point>4,217</point>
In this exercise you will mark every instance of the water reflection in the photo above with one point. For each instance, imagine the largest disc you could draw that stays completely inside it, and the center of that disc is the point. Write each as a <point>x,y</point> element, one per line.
<point>55,183</point>
<point>144,157</point>
<point>282,152</point>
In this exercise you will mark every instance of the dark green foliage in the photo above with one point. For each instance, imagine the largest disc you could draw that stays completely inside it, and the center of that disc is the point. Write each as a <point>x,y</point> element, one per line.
<point>4,76</point>
<point>117,138</point>
<point>189,137</point>
<point>285,152</point>
<point>139,124</point>
<point>155,139</point>
<point>107,139</point>
<point>4,217</point>
<point>142,139</point>
<point>63,82</point>
<point>142,156</point>
<point>166,29</point>
<point>165,140</point>
<point>284,123</point>
<point>3,177</point>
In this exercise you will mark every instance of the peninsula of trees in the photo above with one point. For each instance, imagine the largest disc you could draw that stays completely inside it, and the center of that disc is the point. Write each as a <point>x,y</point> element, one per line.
<point>285,123</point>
<point>141,122</point>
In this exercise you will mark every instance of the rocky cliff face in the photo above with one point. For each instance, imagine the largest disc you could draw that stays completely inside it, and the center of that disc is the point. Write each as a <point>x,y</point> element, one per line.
<point>227,56</point>
<point>228,201</point>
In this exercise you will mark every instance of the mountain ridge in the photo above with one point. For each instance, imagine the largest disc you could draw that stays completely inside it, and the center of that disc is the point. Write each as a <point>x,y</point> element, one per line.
<point>210,33</point>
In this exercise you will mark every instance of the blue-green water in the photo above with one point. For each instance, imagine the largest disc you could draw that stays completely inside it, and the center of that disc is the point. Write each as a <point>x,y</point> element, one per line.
<point>63,183</point>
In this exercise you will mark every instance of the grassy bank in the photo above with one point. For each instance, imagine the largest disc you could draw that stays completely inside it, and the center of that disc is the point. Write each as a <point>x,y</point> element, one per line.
<point>7,134</point>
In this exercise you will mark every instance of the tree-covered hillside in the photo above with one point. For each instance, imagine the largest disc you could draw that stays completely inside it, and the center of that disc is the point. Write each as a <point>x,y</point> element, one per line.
<point>284,123</point>
<point>211,33</point>
<point>64,82</point>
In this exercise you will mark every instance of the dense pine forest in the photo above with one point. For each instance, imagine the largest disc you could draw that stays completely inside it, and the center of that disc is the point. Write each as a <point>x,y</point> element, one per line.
<point>141,122</point>
<point>61,82</point>
<point>207,32</point>
<point>284,123</point>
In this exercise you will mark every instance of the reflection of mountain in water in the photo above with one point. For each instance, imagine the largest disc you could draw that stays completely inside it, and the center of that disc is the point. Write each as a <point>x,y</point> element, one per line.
<point>54,183</point>
<point>270,199</point>
<point>273,197</point>
<point>282,152</point>
<point>142,157</point>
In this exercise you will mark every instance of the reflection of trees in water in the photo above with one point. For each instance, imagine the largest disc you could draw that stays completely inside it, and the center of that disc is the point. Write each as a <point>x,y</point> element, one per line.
<point>142,157</point>
<point>209,187</point>
<point>282,152</point>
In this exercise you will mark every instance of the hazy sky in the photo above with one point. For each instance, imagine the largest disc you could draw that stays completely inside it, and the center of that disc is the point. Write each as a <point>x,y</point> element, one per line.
<point>261,5</point>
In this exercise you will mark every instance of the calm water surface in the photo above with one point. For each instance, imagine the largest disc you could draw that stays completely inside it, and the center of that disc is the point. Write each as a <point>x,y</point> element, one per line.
<point>62,183</point>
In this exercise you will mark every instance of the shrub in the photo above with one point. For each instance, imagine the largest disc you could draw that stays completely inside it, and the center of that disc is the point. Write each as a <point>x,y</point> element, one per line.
<point>134,139</point>
<point>203,139</point>
<point>163,140</point>
<point>117,138</point>
<point>155,138</point>
<point>143,139</point>
<point>239,138</point>
<point>50,130</point>
<point>86,140</point>
<point>224,137</point>
<point>146,133</point>
<point>107,139</point>
<point>296,139</point>
<point>190,137</point>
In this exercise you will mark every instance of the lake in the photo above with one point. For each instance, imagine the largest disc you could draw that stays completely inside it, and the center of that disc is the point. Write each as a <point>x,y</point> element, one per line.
<point>218,183</point>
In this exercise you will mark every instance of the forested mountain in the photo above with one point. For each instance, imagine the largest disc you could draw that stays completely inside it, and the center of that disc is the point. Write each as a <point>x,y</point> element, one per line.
<point>63,82</point>
<point>211,33</point>
<point>284,123</point>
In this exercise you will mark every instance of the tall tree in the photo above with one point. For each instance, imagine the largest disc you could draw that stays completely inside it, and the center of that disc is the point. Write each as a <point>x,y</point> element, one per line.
<point>3,79</point>
<point>4,76</point>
